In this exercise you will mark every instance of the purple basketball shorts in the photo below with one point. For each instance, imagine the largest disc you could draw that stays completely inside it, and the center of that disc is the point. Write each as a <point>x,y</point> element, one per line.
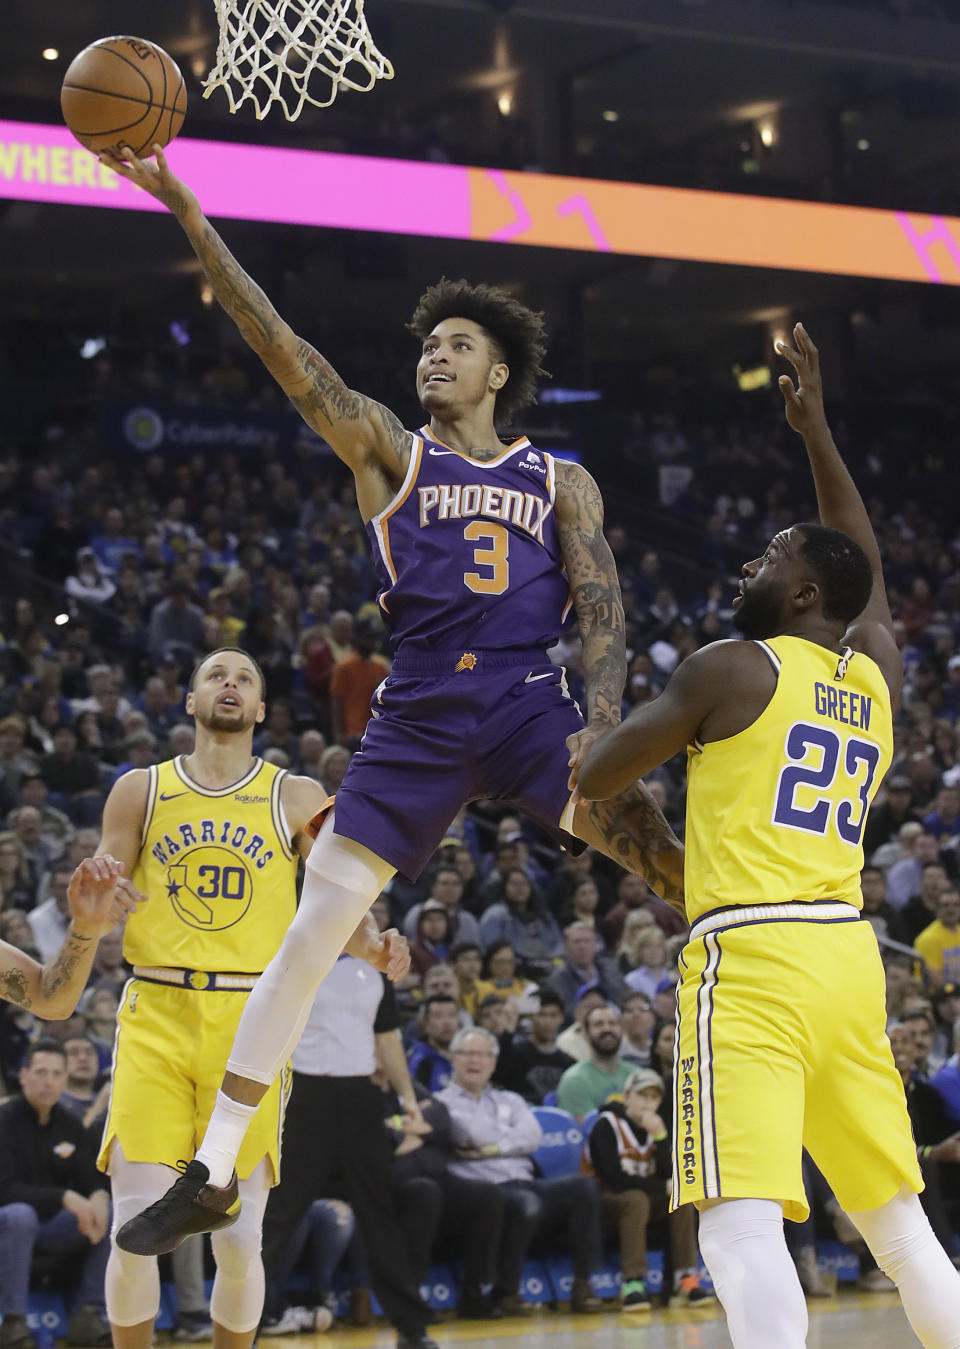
<point>448,728</point>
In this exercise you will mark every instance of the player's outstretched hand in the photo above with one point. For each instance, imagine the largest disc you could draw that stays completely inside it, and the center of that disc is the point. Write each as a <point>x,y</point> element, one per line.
<point>804,404</point>
<point>100,896</point>
<point>155,179</point>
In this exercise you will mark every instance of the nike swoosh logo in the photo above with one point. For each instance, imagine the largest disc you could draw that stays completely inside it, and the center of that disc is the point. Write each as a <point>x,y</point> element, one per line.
<point>532,678</point>
<point>172,796</point>
<point>438,453</point>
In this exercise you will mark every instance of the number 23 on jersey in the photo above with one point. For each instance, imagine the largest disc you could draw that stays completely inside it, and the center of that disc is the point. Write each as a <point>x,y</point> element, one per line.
<point>826,782</point>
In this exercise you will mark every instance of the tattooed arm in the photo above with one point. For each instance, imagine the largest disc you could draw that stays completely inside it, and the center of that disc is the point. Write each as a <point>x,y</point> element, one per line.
<point>365,434</point>
<point>98,894</point>
<point>631,828</point>
<point>595,591</point>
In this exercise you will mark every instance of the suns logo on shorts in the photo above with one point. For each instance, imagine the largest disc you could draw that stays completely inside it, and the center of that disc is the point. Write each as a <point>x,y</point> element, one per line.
<point>210,888</point>
<point>467,661</point>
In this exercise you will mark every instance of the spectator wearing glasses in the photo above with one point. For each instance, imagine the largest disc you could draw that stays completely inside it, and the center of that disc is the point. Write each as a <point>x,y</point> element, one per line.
<point>495,1134</point>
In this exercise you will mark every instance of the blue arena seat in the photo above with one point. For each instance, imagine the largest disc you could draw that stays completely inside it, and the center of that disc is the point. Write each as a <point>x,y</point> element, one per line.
<point>559,1153</point>
<point>589,1119</point>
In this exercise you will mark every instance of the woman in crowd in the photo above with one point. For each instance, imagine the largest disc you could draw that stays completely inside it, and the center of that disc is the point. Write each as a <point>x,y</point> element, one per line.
<point>637,926</point>
<point>521,919</point>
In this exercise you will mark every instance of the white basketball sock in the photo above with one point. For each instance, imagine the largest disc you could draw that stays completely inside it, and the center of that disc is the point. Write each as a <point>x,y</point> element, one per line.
<point>341,881</point>
<point>905,1247</point>
<point>743,1247</point>
<point>229,1122</point>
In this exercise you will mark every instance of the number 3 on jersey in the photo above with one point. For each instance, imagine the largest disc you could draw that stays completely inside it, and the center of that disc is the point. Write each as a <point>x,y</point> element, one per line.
<point>495,557</point>
<point>815,755</point>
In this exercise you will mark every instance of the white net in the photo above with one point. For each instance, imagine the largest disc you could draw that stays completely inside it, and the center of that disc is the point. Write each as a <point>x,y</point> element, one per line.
<point>293,52</point>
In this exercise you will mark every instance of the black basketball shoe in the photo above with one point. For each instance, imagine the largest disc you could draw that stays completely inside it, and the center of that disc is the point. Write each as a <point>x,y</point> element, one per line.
<point>189,1206</point>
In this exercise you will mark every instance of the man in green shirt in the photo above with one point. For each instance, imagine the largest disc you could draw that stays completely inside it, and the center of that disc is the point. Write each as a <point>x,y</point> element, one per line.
<point>586,1085</point>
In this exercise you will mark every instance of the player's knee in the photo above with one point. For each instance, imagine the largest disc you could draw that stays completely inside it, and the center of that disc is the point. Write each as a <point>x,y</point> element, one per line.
<point>347,864</point>
<point>236,1249</point>
<point>897,1233</point>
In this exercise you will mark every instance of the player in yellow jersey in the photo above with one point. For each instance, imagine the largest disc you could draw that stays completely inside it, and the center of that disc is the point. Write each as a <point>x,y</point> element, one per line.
<point>780,1038</point>
<point>213,838</point>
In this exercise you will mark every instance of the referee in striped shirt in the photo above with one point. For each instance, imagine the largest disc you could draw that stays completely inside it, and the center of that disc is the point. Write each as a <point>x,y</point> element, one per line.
<point>334,1125</point>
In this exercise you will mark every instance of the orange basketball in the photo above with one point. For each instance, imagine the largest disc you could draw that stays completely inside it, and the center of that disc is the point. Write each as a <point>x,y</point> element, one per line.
<point>123,91</point>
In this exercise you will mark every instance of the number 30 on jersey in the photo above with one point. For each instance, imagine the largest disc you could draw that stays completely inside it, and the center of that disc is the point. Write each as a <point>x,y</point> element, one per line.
<point>816,757</point>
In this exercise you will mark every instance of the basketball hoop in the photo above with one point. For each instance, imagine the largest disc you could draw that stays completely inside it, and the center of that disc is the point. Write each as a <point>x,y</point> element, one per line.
<point>293,52</point>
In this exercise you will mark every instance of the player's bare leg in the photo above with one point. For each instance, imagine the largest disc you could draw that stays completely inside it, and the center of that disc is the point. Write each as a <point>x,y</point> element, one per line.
<point>230,1339</point>
<point>133,1337</point>
<point>632,830</point>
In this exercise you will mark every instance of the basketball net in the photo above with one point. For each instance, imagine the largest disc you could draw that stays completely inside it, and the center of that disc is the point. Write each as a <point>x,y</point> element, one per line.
<point>293,52</point>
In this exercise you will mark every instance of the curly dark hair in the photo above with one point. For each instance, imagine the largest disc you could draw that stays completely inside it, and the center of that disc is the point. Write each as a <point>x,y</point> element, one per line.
<point>516,334</point>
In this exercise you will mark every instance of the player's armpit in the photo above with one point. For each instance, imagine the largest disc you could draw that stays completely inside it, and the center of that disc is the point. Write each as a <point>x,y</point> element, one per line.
<point>594,589</point>
<point>874,639</point>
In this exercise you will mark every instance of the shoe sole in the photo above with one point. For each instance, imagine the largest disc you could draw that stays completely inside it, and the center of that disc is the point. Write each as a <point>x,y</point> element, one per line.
<point>129,1241</point>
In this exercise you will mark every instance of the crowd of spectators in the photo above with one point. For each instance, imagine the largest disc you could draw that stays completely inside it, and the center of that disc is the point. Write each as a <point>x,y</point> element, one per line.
<point>553,975</point>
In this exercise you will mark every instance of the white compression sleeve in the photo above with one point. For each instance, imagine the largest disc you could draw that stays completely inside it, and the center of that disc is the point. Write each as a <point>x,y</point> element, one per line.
<point>905,1247</point>
<point>744,1248</point>
<point>132,1284</point>
<point>237,1298</point>
<point>342,880</point>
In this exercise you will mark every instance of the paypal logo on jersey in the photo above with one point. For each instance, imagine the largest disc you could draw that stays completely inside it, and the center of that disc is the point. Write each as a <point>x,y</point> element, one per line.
<point>533,462</point>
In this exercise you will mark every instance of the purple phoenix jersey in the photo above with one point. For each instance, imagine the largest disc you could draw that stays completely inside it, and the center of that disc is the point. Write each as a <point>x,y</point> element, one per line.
<point>468,552</point>
<point>474,591</point>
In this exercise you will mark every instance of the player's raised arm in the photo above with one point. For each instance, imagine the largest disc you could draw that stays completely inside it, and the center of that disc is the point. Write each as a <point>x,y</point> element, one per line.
<point>355,426</point>
<point>595,590</point>
<point>838,499</point>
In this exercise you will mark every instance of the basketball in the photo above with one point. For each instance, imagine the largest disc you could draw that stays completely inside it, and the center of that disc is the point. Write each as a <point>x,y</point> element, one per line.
<point>123,91</point>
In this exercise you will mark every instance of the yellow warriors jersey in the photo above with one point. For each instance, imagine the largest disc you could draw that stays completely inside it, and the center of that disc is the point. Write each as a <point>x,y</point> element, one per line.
<point>776,813</point>
<point>219,870</point>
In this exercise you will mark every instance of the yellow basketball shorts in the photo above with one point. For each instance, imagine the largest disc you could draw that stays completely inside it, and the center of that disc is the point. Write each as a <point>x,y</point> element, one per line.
<point>169,1057</point>
<point>781,1046</point>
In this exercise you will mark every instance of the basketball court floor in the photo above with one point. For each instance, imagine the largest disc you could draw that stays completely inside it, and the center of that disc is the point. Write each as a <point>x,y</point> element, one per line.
<point>847,1321</point>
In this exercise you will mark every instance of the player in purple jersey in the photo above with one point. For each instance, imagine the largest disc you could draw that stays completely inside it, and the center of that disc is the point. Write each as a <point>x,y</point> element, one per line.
<point>481,546</point>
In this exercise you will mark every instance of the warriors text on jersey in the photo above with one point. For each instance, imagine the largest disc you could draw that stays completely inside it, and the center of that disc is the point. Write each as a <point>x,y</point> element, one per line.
<point>219,869</point>
<point>776,813</point>
<point>468,551</point>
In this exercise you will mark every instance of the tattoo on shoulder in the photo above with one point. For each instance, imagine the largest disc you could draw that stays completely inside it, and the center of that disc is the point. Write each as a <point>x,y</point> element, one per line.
<point>13,987</point>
